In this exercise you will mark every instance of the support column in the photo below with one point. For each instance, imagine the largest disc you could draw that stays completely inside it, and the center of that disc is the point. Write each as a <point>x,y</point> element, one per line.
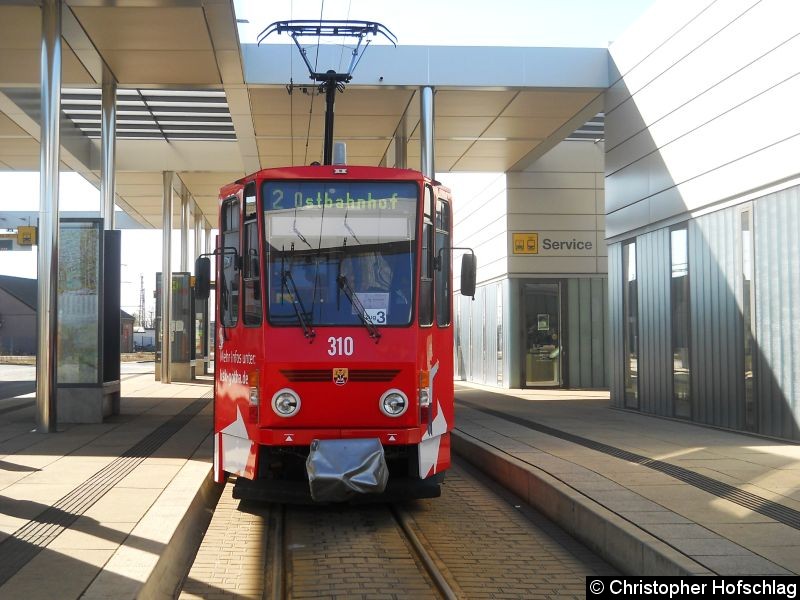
<point>202,360</point>
<point>184,229</point>
<point>108,146</point>
<point>208,238</point>
<point>50,147</point>
<point>426,136</point>
<point>401,145</point>
<point>166,279</point>
<point>198,222</point>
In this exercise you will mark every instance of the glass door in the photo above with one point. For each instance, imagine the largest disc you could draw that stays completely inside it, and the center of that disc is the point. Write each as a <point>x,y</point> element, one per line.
<point>542,319</point>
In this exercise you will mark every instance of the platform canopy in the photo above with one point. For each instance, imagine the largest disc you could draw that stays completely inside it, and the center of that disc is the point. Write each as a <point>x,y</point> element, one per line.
<point>193,100</point>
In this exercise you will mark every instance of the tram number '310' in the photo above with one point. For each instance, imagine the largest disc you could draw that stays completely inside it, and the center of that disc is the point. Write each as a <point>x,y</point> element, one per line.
<point>340,346</point>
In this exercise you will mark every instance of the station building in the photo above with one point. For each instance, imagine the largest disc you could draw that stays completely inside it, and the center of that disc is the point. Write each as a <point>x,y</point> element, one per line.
<point>702,212</point>
<point>539,315</point>
<point>697,192</point>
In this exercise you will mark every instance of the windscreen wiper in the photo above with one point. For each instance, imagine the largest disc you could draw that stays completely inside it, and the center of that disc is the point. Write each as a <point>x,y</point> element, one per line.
<point>350,229</point>
<point>344,284</point>
<point>296,231</point>
<point>297,304</point>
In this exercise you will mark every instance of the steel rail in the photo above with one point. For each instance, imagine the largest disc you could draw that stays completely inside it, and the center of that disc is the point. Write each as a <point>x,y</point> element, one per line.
<point>276,590</point>
<point>439,580</point>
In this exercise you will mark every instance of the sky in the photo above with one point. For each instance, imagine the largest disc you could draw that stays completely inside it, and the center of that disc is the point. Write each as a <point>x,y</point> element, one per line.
<point>583,23</point>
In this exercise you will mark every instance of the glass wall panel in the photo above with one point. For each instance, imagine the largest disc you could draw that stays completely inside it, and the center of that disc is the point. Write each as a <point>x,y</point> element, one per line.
<point>542,313</point>
<point>499,334</point>
<point>746,230</point>
<point>630,326</point>
<point>679,304</point>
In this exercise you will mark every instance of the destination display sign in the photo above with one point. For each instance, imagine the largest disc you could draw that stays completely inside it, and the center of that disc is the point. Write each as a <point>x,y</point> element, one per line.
<point>355,195</point>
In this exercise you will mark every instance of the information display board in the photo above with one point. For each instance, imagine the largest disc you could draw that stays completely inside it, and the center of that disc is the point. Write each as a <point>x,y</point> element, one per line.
<point>79,296</point>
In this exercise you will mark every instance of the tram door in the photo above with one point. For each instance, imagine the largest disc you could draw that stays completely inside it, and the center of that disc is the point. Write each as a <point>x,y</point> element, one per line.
<point>542,331</point>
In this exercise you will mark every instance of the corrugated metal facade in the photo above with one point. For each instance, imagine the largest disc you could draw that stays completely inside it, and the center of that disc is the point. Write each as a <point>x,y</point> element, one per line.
<point>717,361</point>
<point>684,79</point>
<point>777,308</point>
<point>614,352</point>
<point>717,372</point>
<point>488,354</point>
<point>586,327</point>
<point>655,349</point>
<point>476,341</point>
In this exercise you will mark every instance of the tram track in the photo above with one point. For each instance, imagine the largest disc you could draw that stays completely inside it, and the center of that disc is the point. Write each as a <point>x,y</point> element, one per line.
<point>477,540</point>
<point>425,555</point>
<point>280,578</point>
<point>274,575</point>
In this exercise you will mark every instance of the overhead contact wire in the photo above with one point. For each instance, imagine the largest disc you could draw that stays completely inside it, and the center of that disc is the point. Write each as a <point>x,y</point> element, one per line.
<point>291,91</point>
<point>316,61</point>
<point>341,54</point>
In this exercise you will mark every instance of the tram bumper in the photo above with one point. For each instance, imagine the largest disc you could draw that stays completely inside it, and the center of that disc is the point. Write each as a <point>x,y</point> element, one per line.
<point>339,469</point>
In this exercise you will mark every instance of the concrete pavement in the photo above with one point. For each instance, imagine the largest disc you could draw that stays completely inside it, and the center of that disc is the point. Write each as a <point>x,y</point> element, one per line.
<point>114,510</point>
<point>652,495</point>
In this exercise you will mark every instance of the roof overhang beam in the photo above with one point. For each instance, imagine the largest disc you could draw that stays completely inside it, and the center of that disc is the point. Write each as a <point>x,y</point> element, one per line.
<point>441,66</point>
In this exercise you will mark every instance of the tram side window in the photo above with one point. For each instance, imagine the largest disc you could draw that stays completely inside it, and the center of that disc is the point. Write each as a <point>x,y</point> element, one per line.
<point>250,201</point>
<point>229,293</point>
<point>443,257</point>
<point>426,263</point>
<point>251,275</point>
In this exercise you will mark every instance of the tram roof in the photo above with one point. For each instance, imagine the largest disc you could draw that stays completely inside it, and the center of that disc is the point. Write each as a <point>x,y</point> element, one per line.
<point>192,99</point>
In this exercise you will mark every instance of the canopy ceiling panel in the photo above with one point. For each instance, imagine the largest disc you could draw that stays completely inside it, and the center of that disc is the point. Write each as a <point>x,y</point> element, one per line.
<point>522,127</point>
<point>182,46</point>
<point>511,150</point>
<point>144,68</point>
<point>153,45</point>
<point>366,125</point>
<point>365,102</point>
<point>273,101</point>
<point>546,103</point>
<point>9,129</point>
<point>18,150</point>
<point>471,103</point>
<point>284,126</point>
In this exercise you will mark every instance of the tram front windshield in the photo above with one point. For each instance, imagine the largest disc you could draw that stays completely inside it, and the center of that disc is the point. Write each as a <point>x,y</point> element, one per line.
<point>340,251</point>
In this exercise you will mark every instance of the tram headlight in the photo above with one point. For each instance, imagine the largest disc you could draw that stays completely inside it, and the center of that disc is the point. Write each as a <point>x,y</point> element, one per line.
<point>393,403</point>
<point>286,403</point>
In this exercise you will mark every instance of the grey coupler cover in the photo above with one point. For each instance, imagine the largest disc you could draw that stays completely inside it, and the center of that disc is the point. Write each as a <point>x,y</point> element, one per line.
<point>340,469</point>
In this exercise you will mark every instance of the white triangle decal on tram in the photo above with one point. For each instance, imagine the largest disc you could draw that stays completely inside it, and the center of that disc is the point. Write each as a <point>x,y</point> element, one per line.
<point>288,438</point>
<point>392,438</point>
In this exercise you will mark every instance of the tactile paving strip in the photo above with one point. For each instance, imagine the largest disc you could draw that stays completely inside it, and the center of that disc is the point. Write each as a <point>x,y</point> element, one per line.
<point>24,544</point>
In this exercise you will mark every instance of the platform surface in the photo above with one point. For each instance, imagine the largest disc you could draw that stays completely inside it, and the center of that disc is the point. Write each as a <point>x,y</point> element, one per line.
<point>104,510</point>
<point>654,495</point>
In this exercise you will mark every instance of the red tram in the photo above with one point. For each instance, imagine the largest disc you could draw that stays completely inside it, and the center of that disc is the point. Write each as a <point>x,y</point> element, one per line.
<point>334,336</point>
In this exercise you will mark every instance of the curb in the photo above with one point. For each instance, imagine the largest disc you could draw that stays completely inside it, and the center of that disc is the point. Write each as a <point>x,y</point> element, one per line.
<point>629,548</point>
<point>175,562</point>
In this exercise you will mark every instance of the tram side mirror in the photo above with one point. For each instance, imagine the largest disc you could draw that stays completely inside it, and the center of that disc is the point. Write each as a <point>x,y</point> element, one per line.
<point>468,275</point>
<point>202,277</point>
